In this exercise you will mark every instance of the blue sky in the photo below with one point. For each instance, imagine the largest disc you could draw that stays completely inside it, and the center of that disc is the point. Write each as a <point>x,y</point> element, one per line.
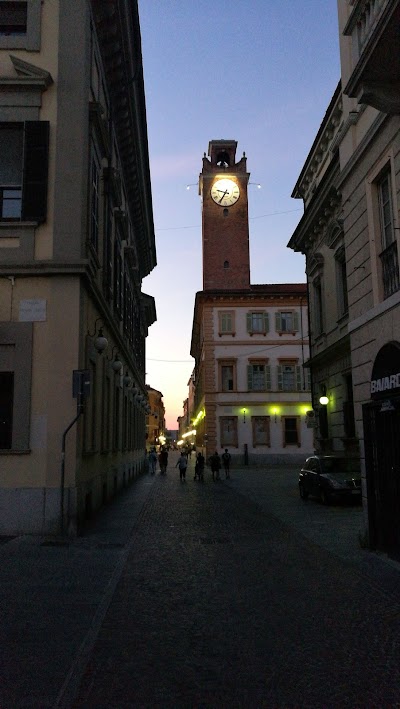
<point>261,72</point>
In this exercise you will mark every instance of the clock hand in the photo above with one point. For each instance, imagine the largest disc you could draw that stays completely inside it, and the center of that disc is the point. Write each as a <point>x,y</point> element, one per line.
<point>224,195</point>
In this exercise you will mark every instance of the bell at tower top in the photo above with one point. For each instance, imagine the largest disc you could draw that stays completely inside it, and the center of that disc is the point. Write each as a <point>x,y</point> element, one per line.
<point>222,152</point>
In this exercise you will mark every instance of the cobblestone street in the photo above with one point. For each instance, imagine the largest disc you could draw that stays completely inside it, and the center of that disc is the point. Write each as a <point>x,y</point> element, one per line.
<point>222,605</point>
<point>227,594</point>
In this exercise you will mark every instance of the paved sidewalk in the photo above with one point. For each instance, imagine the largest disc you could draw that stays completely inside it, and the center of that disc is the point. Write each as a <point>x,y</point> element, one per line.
<point>172,568</point>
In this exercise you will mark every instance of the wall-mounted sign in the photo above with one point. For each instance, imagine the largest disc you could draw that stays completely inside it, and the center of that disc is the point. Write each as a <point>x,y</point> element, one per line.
<point>385,379</point>
<point>32,310</point>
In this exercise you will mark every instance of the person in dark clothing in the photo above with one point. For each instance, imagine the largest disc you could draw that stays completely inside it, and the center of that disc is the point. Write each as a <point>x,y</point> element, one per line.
<point>163,460</point>
<point>199,467</point>
<point>226,461</point>
<point>215,464</point>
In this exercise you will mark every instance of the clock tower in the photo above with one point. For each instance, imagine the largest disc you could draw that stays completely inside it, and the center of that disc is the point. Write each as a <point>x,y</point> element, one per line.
<point>225,218</point>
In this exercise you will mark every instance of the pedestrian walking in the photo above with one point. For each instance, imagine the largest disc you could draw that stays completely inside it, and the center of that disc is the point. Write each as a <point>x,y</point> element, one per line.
<point>199,467</point>
<point>163,461</point>
<point>182,465</point>
<point>226,461</point>
<point>215,464</point>
<point>152,461</point>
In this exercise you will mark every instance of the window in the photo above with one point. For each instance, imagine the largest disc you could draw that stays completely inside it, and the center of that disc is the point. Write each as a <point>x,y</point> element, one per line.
<point>257,323</point>
<point>287,321</point>
<point>94,201</point>
<point>226,322</point>
<point>348,408</point>
<point>6,409</point>
<point>318,307</point>
<point>341,282</point>
<point>388,256</point>
<point>13,18</point>
<point>261,431</point>
<point>227,377</point>
<point>228,431</point>
<point>118,279</point>
<point>289,377</point>
<point>258,377</point>
<point>291,435</point>
<point>20,24</point>
<point>23,170</point>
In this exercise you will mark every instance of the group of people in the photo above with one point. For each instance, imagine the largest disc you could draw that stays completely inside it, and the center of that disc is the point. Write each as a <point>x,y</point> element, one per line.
<point>215,461</point>
<point>161,458</point>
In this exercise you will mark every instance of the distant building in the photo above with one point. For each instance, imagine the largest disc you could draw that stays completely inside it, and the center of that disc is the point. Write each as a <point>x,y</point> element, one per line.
<point>155,419</point>
<point>77,238</point>
<point>250,342</point>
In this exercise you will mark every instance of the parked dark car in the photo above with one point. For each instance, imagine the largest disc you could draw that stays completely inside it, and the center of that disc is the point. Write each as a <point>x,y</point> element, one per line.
<point>329,478</point>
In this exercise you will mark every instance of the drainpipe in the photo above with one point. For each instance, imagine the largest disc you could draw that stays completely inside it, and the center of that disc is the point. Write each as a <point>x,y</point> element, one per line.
<point>62,479</point>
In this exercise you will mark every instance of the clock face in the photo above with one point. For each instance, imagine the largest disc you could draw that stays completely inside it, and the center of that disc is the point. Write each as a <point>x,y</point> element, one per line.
<point>225,192</point>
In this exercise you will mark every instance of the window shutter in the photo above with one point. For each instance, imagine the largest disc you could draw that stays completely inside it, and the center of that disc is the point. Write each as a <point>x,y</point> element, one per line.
<point>266,322</point>
<point>308,379</point>
<point>298,378</point>
<point>295,321</point>
<point>280,377</point>
<point>278,323</point>
<point>249,322</point>
<point>249,377</point>
<point>268,377</point>
<point>36,160</point>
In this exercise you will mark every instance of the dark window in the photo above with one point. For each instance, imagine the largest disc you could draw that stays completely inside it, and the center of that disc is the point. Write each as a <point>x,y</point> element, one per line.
<point>13,18</point>
<point>227,377</point>
<point>23,170</point>
<point>290,432</point>
<point>6,409</point>
<point>118,279</point>
<point>341,283</point>
<point>318,308</point>
<point>94,202</point>
<point>389,255</point>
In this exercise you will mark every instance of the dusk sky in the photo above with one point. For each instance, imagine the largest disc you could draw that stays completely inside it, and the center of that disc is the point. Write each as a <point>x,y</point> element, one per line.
<point>261,72</point>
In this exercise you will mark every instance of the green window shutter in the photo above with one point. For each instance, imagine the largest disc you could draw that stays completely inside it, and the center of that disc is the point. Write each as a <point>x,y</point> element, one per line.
<point>280,378</point>
<point>295,321</point>
<point>308,379</point>
<point>266,322</point>
<point>249,377</point>
<point>298,378</point>
<point>278,323</point>
<point>268,377</point>
<point>249,322</point>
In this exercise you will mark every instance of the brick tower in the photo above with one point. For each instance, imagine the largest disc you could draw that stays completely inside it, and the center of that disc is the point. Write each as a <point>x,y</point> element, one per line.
<point>225,220</point>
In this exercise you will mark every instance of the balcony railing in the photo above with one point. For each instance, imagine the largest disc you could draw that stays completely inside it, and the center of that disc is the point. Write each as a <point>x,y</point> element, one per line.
<point>390,270</point>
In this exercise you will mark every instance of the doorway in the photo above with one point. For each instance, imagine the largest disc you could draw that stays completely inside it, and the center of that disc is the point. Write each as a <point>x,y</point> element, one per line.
<point>382,462</point>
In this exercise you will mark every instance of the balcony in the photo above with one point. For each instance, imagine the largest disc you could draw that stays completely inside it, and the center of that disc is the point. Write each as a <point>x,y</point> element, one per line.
<point>375,79</point>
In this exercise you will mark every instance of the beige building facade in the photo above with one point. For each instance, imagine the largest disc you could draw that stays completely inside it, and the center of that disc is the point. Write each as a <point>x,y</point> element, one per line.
<point>365,156</point>
<point>76,240</point>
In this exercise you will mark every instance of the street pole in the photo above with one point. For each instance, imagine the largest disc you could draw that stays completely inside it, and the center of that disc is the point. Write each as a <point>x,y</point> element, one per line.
<point>64,436</point>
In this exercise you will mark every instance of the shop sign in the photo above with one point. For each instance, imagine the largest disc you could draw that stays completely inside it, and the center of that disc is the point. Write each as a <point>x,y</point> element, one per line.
<point>385,380</point>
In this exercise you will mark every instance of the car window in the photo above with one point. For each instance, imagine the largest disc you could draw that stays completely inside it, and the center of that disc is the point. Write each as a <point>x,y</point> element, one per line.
<point>340,465</point>
<point>312,465</point>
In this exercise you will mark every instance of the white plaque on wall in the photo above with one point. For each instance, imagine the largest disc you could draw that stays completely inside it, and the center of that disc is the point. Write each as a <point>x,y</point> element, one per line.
<point>33,310</point>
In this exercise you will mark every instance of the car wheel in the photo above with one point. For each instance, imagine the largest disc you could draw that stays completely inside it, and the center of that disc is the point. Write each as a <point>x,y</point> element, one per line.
<point>324,497</point>
<point>303,492</point>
